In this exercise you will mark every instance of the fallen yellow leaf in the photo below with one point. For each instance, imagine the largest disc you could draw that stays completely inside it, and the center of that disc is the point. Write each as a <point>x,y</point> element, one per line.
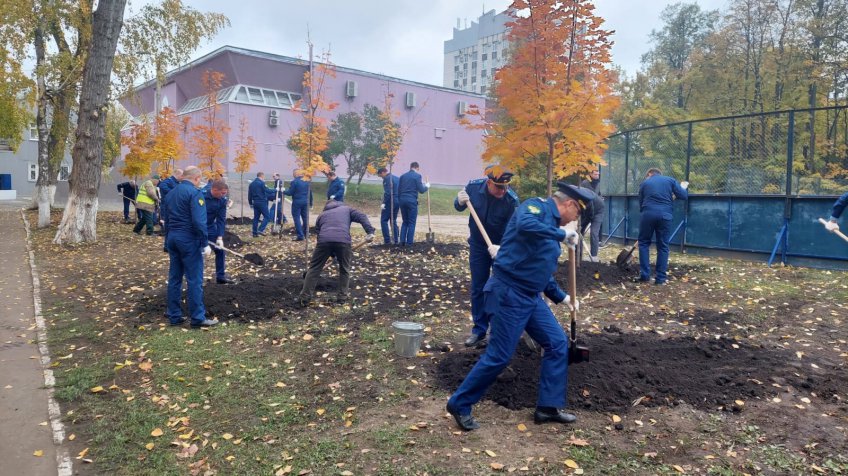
<point>97,389</point>
<point>679,469</point>
<point>522,427</point>
<point>149,446</point>
<point>227,436</point>
<point>571,464</point>
<point>38,453</point>
<point>320,411</point>
<point>156,432</point>
<point>497,466</point>
<point>491,453</point>
<point>616,419</point>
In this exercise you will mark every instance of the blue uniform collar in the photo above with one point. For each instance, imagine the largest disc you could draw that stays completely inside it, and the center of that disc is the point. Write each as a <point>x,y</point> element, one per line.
<point>551,203</point>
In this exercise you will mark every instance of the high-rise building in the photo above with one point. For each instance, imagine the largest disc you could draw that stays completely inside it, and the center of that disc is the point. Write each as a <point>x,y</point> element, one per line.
<point>475,52</point>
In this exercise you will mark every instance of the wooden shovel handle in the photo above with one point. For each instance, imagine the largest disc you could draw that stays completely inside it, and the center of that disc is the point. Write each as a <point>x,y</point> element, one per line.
<point>479,223</point>
<point>838,233</point>
<point>572,284</point>
<point>213,245</point>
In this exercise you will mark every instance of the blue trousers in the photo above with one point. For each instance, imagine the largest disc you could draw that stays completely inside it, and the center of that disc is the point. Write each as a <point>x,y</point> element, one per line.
<point>220,266</point>
<point>512,312</point>
<point>409,214</point>
<point>658,225</point>
<point>299,211</point>
<point>480,263</point>
<point>186,259</point>
<point>394,235</point>
<point>126,208</point>
<point>260,210</point>
<point>277,213</point>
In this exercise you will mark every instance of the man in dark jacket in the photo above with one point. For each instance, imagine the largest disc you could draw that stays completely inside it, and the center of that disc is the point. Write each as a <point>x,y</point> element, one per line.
<point>257,197</point>
<point>216,223</point>
<point>656,198</point>
<point>409,186</point>
<point>129,190</point>
<point>836,212</point>
<point>390,206</point>
<point>277,204</point>
<point>494,203</point>
<point>593,215</point>
<point>333,228</point>
<point>335,187</point>
<point>301,194</point>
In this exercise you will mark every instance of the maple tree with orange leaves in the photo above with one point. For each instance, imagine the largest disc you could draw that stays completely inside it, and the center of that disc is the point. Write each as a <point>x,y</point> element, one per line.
<point>555,94</point>
<point>313,137</point>
<point>245,155</point>
<point>207,140</point>
<point>139,158</point>
<point>168,146</point>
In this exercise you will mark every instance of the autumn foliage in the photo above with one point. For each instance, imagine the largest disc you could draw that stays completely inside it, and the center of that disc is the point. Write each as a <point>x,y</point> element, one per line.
<point>207,142</point>
<point>313,137</point>
<point>554,96</point>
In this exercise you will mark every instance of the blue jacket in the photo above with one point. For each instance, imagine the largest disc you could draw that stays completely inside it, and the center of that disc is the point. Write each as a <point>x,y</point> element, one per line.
<point>389,192</point>
<point>409,186</point>
<point>493,212</point>
<point>336,189</point>
<point>530,249</point>
<point>333,224</point>
<point>165,186</point>
<point>657,193</point>
<point>128,190</point>
<point>839,206</point>
<point>258,192</point>
<point>186,212</point>
<point>298,189</point>
<point>216,214</point>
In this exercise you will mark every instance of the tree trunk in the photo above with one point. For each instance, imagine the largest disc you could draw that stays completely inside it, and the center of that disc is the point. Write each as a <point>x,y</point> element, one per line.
<point>41,198</point>
<point>79,222</point>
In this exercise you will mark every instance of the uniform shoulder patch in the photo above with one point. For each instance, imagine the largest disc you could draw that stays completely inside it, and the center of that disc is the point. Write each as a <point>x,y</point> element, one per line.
<point>200,201</point>
<point>534,209</point>
<point>477,181</point>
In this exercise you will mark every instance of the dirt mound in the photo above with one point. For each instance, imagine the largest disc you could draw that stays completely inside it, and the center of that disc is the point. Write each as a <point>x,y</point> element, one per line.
<point>239,221</point>
<point>232,241</point>
<point>421,247</point>
<point>625,368</point>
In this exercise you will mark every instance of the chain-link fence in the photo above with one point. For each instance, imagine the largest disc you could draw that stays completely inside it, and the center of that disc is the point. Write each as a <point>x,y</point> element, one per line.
<point>747,155</point>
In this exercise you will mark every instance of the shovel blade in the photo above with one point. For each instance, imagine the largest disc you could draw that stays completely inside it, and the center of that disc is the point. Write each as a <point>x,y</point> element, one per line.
<point>624,257</point>
<point>577,353</point>
<point>255,259</point>
<point>431,237</point>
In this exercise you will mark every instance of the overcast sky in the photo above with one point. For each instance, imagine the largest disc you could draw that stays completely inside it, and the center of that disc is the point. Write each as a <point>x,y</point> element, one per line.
<point>401,38</point>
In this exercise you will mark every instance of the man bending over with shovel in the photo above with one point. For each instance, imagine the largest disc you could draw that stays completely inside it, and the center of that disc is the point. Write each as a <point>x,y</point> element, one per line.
<point>333,229</point>
<point>494,203</point>
<point>838,207</point>
<point>216,222</point>
<point>524,268</point>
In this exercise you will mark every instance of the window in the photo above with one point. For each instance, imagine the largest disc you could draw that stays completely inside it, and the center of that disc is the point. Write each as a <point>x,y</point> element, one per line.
<point>494,55</point>
<point>283,99</point>
<point>64,172</point>
<point>241,95</point>
<point>33,132</point>
<point>465,82</point>
<point>465,66</point>
<point>473,79</point>
<point>456,67</point>
<point>485,57</point>
<point>270,98</point>
<point>32,176</point>
<point>474,65</point>
<point>456,83</point>
<point>482,89</point>
<point>483,73</point>
<point>255,95</point>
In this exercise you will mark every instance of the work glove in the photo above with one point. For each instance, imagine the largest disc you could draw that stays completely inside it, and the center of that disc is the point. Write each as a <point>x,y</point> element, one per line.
<point>462,197</point>
<point>332,197</point>
<point>493,250</point>
<point>571,238</point>
<point>831,226</point>
<point>369,237</point>
<point>219,242</point>
<point>207,250</point>
<point>382,206</point>
<point>567,302</point>
<point>230,203</point>
<point>684,185</point>
<point>427,185</point>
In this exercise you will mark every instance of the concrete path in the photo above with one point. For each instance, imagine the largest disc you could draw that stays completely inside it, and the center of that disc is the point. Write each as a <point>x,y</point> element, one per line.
<point>24,421</point>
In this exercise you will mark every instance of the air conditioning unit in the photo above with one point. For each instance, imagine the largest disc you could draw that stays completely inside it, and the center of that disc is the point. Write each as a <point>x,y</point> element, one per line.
<point>461,108</point>
<point>410,99</point>
<point>273,121</point>
<point>351,89</point>
<point>273,113</point>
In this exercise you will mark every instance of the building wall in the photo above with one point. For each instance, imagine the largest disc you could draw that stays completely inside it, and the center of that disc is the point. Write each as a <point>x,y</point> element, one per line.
<point>474,53</point>
<point>18,164</point>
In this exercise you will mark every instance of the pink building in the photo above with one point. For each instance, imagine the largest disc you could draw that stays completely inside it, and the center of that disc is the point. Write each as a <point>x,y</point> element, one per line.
<point>263,87</point>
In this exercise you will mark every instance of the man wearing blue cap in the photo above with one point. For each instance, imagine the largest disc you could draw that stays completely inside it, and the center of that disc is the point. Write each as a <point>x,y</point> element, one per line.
<point>494,203</point>
<point>409,186</point>
<point>656,198</point>
<point>523,269</point>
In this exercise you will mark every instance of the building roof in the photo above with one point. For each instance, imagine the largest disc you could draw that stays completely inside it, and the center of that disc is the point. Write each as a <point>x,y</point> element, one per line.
<point>490,23</point>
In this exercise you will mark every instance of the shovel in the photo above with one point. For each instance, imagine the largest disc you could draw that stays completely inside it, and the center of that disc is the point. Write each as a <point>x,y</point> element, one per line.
<point>838,233</point>
<point>625,257</point>
<point>431,237</point>
<point>577,351</point>
<point>253,258</point>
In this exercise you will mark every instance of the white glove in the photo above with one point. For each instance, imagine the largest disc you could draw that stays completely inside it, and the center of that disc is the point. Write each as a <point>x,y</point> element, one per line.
<point>219,242</point>
<point>571,238</point>
<point>332,197</point>
<point>462,197</point>
<point>575,307</point>
<point>493,250</point>
<point>831,226</point>
<point>230,203</point>
<point>369,237</point>
<point>207,250</point>
<point>684,185</point>
<point>382,206</point>
<point>427,185</point>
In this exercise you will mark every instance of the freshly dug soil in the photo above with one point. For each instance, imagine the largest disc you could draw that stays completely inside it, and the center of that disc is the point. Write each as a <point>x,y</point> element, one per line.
<point>624,368</point>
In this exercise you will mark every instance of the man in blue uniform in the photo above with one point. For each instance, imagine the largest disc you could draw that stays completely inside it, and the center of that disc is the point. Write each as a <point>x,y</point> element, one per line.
<point>257,197</point>
<point>523,269</point>
<point>390,207</point>
<point>301,194</point>
<point>165,187</point>
<point>187,245</point>
<point>656,205</point>
<point>494,203</point>
<point>836,212</point>
<point>409,186</point>
<point>593,215</point>
<point>216,222</point>
<point>277,205</point>
<point>335,187</point>
<point>129,190</point>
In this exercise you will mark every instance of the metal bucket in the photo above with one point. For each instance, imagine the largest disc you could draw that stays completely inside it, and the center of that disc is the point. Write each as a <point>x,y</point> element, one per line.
<point>408,337</point>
